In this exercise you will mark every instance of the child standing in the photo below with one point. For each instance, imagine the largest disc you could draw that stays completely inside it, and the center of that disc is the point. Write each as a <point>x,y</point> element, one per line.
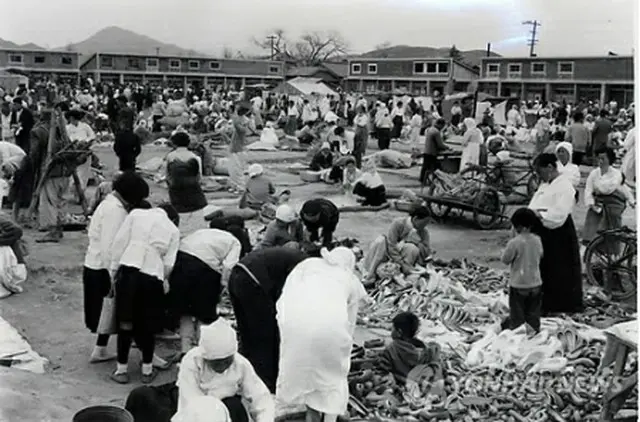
<point>523,254</point>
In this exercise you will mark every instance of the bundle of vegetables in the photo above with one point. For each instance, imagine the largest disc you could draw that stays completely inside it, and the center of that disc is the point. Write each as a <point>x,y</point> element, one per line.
<point>466,190</point>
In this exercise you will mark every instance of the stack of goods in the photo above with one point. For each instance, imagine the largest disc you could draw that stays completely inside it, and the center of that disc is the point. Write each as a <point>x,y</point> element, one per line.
<point>488,375</point>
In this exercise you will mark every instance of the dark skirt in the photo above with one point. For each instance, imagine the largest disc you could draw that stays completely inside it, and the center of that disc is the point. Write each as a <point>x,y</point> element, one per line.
<point>560,269</point>
<point>384,138</point>
<point>258,332</point>
<point>372,196</point>
<point>397,127</point>
<point>140,300</point>
<point>23,184</point>
<point>194,289</point>
<point>455,119</point>
<point>160,403</point>
<point>96,285</point>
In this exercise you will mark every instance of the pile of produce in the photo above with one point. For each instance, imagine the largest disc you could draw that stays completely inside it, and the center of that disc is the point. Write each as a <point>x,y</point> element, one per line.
<point>487,375</point>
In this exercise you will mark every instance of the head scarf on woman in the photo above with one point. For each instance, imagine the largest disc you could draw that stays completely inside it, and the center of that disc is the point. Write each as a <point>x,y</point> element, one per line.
<point>469,123</point>
<point>340,257</point>
<point>370,176</point>
<point>218,340</point>
<point>566,146</point>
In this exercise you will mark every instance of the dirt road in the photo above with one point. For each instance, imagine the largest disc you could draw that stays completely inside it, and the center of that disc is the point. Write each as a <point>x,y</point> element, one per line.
<point>49,313</point>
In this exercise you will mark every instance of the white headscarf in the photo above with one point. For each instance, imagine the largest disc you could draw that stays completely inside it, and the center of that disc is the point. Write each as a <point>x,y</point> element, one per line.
<point>255,170</point>
<point>205,409</point>
<point>469,123</point>
<point>566,146</point>
<point>218,340</point>
<point>340,257</point>
<point>286,214</point>
<point>370,176</point>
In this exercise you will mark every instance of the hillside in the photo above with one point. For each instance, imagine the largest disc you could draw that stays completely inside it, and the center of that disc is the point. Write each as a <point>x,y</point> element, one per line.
<point>118,40</point>
<point>471,57</point>
<point>28,46</point>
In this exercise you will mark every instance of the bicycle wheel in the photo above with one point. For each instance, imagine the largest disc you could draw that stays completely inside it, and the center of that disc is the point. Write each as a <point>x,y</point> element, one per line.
<point>437,189</point>
<point>487,209</point>
<point>611,263</point>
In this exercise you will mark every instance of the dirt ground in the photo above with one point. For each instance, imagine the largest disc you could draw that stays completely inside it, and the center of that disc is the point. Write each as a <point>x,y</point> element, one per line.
<point>49,313</point>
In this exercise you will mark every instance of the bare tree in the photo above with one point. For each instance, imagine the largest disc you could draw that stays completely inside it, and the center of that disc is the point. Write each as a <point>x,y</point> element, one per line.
<point>316,47</point>
<point>383,46</point>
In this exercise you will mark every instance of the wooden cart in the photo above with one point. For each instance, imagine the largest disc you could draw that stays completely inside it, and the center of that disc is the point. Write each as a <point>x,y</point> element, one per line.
<point>621,340</point>
<point>487,208</point>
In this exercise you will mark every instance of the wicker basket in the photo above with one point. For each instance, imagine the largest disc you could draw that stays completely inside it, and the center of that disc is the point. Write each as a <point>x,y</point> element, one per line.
<point>310,176</point>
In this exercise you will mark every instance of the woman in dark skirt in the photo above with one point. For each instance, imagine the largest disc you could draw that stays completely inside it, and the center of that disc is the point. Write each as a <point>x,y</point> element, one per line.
<point>20,172</point>
<point>397,117</point>
<point>370,186</point>
<point>143,255</point>
<point>560,267</point>
<point>203,263</point>
<point>129,190</point>
<point>255,285</point>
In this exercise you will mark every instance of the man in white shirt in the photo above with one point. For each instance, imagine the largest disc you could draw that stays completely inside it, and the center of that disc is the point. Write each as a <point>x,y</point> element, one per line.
<point>79,131</point>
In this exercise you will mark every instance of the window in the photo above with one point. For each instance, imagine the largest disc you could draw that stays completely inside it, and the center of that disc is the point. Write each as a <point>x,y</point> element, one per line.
<point>538,68</point>
<point>514,70</point>
<point>493,69</point>
<point>432,67</point>
<point>152,63</point>
<point>15,58</point>
<point>214,65</point>
<point>66,60</point>
<point>565,68</point>
<point>174,64</point>
<point>443,68</point>
<point>274,69</point>
<point>194,65</point>
<point>133,64</point>
<point>38,59</point>
<point>418,67</point>
<point>372,69</point>
<point>356,69</point>
<point>106,62</point>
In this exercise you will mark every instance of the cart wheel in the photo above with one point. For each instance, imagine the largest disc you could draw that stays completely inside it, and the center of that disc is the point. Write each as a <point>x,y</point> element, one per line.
<point>436,190</point>
<point>532,185</point>
<point>611,260</point>
<point>487,201</point>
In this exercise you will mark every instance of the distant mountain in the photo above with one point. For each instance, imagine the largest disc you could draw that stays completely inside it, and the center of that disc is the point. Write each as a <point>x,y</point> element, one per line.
<point>114,39</point>
<point>471,57</point>
<point>28,46</point>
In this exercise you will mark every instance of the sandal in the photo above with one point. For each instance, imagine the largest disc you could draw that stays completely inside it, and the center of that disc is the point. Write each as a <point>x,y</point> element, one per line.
<point>148,378</point>
<point>120,378</point>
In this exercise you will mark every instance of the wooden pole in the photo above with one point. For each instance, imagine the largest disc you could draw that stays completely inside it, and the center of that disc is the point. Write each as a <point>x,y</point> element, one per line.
<point>44,170</point>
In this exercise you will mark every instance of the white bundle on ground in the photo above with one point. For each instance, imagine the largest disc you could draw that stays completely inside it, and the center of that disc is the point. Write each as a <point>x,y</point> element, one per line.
<point>13,346</point>
<point>12,273</point>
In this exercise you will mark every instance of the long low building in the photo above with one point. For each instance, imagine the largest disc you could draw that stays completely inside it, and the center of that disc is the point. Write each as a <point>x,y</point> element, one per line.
<point>418,76</point>
<point>600,79</point>
<point>197,71</point>
<point>41,64</point>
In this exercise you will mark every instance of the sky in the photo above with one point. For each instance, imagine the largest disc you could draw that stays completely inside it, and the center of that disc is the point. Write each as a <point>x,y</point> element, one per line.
<point>568,27</point>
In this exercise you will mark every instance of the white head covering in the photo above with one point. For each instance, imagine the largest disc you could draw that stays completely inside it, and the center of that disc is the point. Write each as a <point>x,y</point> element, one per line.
<point>340,257</point>
<point>567,146</point>
<point>286,214</point>
<point>255,170</point>
<point>325,145</point>
<point>469,122</point>
<point>205,409</point>
<point>218,340</point>
<point>331,117</point>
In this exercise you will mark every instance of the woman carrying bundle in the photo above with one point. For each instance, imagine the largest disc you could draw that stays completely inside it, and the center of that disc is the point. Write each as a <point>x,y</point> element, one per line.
<point>143,254</point>
<point>370,186</point>
<point>184,171</point>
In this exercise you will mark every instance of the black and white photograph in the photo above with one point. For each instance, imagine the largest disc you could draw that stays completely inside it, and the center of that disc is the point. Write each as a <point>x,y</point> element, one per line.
<point>318,211</point>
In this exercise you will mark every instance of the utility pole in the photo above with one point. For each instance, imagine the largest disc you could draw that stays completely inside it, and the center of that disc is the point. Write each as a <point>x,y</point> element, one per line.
<point>158,51</point>
<point>533,40</point>
<point>272,39</point>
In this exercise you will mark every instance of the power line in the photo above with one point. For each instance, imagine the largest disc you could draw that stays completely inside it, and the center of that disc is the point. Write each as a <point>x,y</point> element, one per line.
<point>533,40</point>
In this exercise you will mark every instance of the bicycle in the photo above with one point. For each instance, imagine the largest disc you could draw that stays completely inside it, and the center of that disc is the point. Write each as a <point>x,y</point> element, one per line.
<point>611,261</point>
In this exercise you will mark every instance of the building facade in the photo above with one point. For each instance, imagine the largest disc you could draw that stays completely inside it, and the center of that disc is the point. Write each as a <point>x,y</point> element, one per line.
<point>182,71</point>
<point>62,66</point>
<point>418,76</point>
<point>572,79</point>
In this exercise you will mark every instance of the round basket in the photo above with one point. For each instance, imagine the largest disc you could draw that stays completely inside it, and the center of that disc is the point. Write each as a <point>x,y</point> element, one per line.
<point>310,176</point>
<point>103,414</point>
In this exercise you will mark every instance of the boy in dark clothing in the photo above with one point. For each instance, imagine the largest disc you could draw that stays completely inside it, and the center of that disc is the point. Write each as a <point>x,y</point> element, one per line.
<point>127,147</point>
<point>523,254</point>
<point>405,351</point>
<point>319,214</point>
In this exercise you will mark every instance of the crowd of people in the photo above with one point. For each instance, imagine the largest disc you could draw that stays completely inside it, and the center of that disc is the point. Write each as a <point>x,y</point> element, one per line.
<point>295,294</point>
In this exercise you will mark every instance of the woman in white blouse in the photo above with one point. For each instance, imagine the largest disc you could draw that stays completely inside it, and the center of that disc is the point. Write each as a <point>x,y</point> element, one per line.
<point>560,267</point>
<point>143,254</point>
<point>564,152</point>
<point>471,142</point>
<point>128,190</point>
<point>605,196</point>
